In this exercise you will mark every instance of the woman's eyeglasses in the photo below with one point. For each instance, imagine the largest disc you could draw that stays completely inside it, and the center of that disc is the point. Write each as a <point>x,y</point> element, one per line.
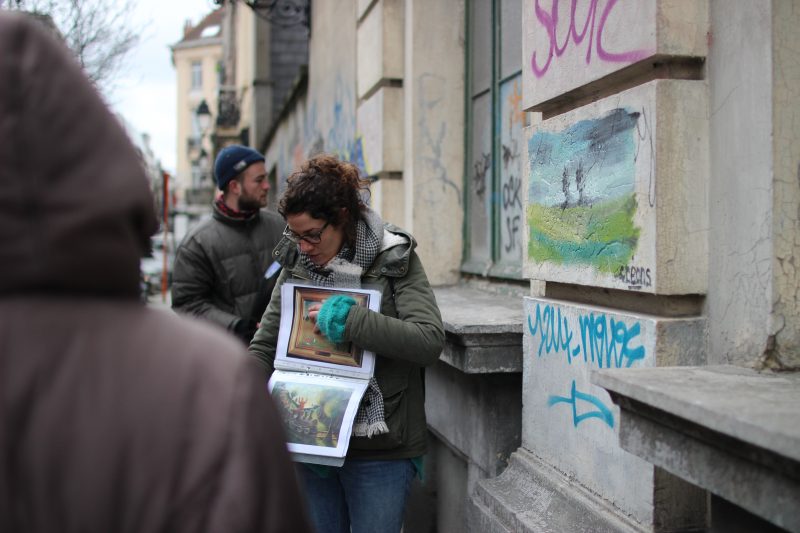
<point>311,238</point>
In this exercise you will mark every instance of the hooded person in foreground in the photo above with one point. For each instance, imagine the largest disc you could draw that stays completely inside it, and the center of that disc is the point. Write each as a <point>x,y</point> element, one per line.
<point>113,416</point>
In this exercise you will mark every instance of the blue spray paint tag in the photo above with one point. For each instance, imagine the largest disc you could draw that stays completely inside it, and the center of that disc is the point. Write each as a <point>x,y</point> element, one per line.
<point>272,270</point>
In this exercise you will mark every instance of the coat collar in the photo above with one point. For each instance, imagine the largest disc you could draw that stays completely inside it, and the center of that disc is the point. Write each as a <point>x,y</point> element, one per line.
<point>223,217</point>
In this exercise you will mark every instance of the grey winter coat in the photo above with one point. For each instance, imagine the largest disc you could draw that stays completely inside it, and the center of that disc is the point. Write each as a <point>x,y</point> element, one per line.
<point>113,416</point>
<point>406,336</point>
<point>220,266</point>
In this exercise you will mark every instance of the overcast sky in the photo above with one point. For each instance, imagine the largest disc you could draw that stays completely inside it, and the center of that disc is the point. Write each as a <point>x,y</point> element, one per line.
<point>145,91</point>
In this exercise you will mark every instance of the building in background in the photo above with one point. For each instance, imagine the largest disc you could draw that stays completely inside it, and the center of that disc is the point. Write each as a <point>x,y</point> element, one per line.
<point>234,71</point>
<point>197,58</point>
<point>261,63</point>
<point>605,196</point>
<point>150,163</point>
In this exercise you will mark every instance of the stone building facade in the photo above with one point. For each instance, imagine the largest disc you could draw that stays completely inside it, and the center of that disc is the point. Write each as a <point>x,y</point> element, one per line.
<point>605,194</point>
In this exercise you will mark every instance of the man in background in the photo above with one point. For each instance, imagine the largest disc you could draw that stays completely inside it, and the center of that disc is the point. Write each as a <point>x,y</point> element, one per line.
<point>113,416</point>
<point>224,271</point>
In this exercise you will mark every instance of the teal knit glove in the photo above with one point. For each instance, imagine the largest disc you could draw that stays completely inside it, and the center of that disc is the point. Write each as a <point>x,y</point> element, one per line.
<point>333,316</point>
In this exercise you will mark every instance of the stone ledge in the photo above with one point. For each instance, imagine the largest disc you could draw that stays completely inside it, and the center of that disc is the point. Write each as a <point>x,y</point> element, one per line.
<point>732,431</point>
<point>483,330</point>
<point>477,416</point>
<point>531,497</point>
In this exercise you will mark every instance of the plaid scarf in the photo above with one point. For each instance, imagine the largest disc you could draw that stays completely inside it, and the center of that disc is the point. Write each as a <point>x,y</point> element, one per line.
<point>370,419</point>
<point>345,270</point>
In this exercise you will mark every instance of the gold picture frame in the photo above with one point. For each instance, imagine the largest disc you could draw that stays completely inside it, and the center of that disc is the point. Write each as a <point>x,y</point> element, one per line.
<point>309,345</point>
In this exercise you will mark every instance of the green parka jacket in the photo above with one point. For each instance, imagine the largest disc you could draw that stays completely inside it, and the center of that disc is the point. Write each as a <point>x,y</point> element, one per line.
<point>406,336</point>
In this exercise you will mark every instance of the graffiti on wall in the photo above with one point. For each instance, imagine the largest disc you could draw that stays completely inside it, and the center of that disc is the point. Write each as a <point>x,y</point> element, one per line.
<point>480,169</point>
<point>510,200</point>
<point>313,128</point>
<point>598,409</point>
<point>342,139</point>
<point>432,124</point>
<point>583,26</point>
<point>582,198</point>
<point>589,338</point>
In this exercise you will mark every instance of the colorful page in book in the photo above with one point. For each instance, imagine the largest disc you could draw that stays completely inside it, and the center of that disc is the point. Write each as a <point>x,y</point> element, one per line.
<point>301,348</point>
<point>318,413</point>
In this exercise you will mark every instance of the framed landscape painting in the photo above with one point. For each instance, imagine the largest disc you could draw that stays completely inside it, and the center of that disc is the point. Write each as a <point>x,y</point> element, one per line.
<point>300,347</point>
<point>317,411</point>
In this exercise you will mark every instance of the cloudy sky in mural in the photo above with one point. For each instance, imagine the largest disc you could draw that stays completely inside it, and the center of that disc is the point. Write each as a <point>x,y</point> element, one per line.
<point>603,149</point>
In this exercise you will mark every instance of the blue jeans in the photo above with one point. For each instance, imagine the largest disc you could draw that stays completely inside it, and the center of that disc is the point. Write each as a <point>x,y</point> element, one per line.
<point>369,496</point>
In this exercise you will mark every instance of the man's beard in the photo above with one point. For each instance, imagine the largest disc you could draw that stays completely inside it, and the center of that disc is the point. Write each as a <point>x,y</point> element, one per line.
<point>248,203</point>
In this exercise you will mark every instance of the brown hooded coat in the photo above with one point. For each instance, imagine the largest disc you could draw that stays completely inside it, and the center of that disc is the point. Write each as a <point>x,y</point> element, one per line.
<point>113,416</point>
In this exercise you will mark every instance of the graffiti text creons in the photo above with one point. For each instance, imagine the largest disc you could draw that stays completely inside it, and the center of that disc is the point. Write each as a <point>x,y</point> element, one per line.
<point>633,276</point>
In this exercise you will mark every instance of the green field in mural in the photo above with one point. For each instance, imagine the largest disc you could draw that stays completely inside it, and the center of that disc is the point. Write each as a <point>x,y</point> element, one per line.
<point>602,235</point>
<point>581,197</point>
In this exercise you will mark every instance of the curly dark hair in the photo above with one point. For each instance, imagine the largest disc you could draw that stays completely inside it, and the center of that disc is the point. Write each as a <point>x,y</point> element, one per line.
<point>322,187</point>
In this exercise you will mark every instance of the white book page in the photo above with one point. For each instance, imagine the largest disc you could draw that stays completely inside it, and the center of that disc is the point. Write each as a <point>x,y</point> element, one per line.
<point>302,349</point>
<point>317,411</point>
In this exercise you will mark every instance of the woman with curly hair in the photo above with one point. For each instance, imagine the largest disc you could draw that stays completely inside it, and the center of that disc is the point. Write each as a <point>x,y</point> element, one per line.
<point>333,239</point>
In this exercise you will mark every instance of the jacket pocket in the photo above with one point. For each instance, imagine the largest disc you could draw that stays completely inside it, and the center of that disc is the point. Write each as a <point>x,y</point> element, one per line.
<point>395,410</point>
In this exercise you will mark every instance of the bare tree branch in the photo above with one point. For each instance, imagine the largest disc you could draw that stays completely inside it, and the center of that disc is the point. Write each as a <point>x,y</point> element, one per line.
<point>98,32</point>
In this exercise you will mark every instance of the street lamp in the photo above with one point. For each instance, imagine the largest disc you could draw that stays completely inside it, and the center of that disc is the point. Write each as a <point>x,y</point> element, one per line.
<point>203,114</point>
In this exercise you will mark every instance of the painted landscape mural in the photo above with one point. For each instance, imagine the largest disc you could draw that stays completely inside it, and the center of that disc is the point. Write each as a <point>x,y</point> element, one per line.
<point>582,197</point>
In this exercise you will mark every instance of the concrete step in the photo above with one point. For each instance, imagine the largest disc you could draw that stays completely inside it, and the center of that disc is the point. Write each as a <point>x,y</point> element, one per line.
<point>531,497</point>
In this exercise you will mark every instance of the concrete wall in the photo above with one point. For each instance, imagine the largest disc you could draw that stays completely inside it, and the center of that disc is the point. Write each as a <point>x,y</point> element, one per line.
<point>753,78</point>
<point>380,131</point>
<point>475,419</point>
<point>288,52</point>
<point>569,46</point>
<point>616,197</point>
<point>616,192</point>
<point>406,129</point>
<point>434,133</point>
<point>379,81</point>
<point>785,321</point>
<point>288,149</point>
<point>332,82</point>
<point>684,113</point>
<point>380,45</point>
<point>570,423</point>
<point>325,119</point>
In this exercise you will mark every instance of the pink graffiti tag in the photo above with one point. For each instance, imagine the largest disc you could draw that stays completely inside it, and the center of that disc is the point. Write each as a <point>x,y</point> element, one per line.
<point>550,22</point>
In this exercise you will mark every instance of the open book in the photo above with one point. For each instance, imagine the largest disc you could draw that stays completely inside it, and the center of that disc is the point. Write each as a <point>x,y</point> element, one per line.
<point>317,385</point>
